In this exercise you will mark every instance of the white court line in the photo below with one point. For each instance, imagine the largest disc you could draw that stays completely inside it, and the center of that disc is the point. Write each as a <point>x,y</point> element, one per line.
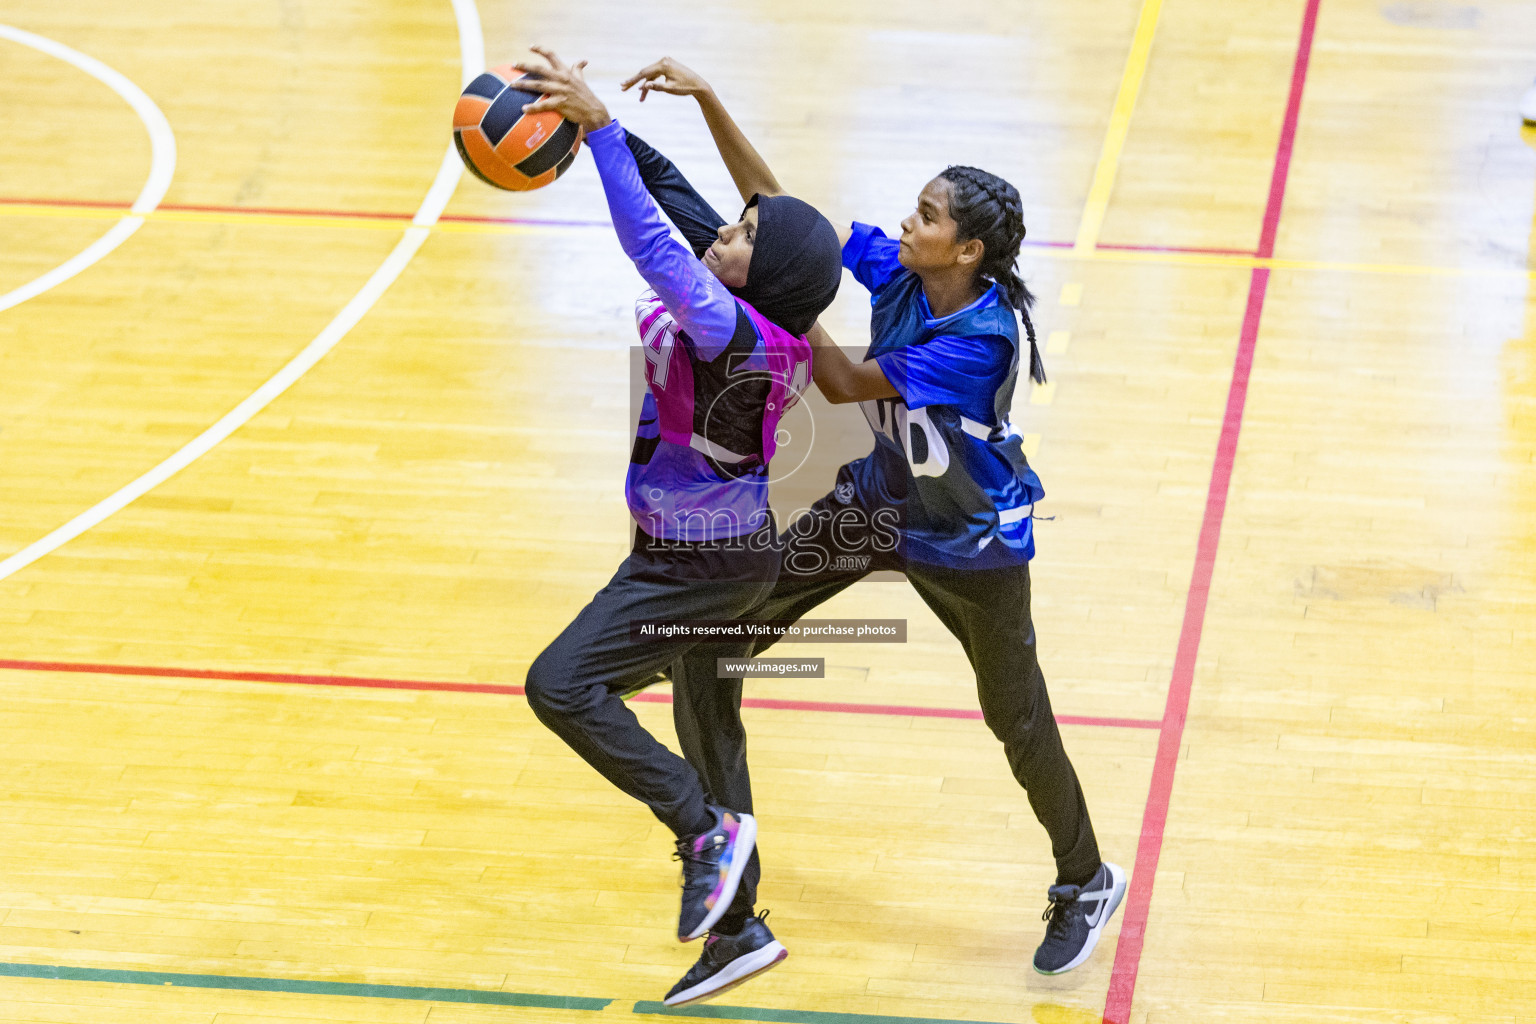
<point>162,163</point>
<point>472,58</point>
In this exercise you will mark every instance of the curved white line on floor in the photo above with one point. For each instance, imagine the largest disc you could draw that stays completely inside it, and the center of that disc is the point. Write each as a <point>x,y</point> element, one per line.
<point>162,163</point>
<point>472,56</point>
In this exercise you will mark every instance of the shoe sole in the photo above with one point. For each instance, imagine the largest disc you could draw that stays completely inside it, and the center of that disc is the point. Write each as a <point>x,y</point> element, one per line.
<point>1117,881</point>
<point>743,969</point>
<point>746,840</point>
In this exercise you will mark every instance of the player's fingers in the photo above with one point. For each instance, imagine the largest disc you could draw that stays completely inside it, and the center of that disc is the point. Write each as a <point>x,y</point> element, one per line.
<point>536,71</point>
<point>647,72</point>
<point>542,104</point>
<point>547,85</point>
<point>662,85</point>
<point>550,55</point>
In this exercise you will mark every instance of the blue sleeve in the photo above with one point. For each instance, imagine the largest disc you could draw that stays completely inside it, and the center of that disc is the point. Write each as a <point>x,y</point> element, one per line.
<point>962,372</point>
<point>872,257</point>
<point>697,300</point>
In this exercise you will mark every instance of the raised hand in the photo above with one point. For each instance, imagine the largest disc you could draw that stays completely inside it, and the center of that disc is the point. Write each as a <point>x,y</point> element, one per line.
<point>667,75</point>
<point>748,171</point>
<point>565,90</point>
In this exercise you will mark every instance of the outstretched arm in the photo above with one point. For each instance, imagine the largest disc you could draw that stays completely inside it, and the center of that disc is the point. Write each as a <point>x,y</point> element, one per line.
<point>840,379</point>
<point>696,298</point>
<point>748,169</point>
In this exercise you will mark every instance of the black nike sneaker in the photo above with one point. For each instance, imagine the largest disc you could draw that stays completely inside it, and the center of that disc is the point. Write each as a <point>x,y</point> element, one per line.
<point>1076,917</point>
<point>712,867</point>
<point>727,961</point>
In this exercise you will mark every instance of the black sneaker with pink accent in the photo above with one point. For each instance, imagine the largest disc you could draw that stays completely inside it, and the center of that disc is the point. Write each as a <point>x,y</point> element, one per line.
<point>712,865</point>
<point>727,961</point>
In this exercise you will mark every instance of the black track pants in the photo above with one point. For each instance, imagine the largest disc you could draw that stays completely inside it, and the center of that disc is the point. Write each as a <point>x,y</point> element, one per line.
<point>988,612</point>
<point>574,685</point>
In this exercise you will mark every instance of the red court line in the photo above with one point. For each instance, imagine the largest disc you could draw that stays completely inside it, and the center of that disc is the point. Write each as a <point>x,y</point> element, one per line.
<point>914,711</point>
<point>94,204</point>
<point>370,682</point>
<point>545,221</point>
<point>1122,980</point>
<point>283,211</point>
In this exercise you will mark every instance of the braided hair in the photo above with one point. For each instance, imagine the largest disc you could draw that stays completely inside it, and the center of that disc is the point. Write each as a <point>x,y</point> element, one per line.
<point>987,208</point>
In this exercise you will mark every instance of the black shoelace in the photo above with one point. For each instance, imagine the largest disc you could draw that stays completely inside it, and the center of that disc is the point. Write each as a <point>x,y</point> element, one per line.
<point>716,953</point>
<point>698,868</point>
<point>710,855</point>
<point>1064,904</point>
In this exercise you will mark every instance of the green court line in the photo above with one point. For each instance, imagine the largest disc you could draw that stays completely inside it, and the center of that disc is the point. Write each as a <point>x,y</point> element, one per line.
<point>314,988</point>
<point>787,1016</point>
<point>446,995</point>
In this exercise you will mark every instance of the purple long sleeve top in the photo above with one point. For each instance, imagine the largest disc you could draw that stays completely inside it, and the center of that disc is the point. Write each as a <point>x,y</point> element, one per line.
<point>697,300</point>
<point>683,485</point>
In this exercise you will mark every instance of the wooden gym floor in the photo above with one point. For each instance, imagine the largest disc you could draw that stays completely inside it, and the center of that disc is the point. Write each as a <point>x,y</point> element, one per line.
<point>262,749</point>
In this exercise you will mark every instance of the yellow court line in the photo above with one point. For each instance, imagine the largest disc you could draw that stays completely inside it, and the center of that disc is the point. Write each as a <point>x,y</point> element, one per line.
<point>1119,127</point>
<point>1183,259</point>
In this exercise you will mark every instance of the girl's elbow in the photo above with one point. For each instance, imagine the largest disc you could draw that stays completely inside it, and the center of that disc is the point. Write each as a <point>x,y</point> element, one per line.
<point>841,396</point>
<point>833,394</point>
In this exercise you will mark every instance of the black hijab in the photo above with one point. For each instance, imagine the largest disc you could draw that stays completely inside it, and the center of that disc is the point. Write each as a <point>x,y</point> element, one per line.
<point>796,263</point>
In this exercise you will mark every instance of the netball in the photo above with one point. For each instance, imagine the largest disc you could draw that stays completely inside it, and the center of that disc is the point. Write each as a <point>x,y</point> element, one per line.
<point>505,147</point>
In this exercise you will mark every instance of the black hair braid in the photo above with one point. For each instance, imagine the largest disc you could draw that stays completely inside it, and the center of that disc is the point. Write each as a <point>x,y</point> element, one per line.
<point>987,208</point>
